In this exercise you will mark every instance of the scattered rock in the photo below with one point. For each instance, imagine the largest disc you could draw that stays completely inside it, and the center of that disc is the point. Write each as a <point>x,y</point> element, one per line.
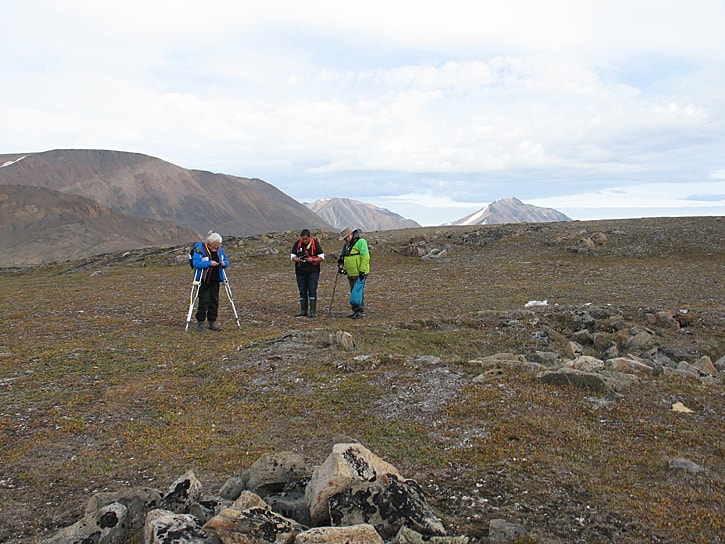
<point>686,465</point>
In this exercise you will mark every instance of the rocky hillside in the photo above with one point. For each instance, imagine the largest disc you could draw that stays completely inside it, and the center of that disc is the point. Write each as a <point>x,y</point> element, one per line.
<point>143,186</point>
<point>40,225</point>
<point>552,382</point>
<point>344,212</point>
<point>511,210</point>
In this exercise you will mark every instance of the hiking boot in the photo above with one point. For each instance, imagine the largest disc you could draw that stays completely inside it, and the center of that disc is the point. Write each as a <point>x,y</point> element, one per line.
<point>357,315</point>
<point>213,326</point>
<point>303,308</point>
<point>199,325</point>
<point>313,308</point>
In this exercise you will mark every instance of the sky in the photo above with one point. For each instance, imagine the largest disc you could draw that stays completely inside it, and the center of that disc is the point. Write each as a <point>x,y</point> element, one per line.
<point>431,109</point>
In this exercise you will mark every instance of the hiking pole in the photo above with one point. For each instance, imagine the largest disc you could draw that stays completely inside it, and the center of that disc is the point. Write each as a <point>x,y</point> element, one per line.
<point>228,289</point>
<point>333,295</point>
<point>195,286</point>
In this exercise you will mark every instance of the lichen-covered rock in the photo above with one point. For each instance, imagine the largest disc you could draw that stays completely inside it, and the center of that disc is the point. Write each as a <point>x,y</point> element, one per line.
<point>355,534</point>
<point>252,526</point>
<point>107,525</point>
<point>166,527</point>
<point>139,501</point>
<point>273,471</point>
<point>387,504</point>
<point>181,494</point>
<point>406,535</point>
<point>346,465</point>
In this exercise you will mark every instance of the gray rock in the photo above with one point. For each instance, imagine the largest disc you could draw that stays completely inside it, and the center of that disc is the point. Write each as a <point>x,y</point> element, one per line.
<point>355,534</point>
<point>500,530</point>
<point>273,471</point>
<point>252,525</point>
<point>139,502</point>
<point>406,535</point>
<point>686,465</point>
<point>232,488</point>
<point>181,494</point>
<point>166,527</point>
<point>107,525</point>
<point>347,465</point>
<point>292,505</point>
<point>387,504</point>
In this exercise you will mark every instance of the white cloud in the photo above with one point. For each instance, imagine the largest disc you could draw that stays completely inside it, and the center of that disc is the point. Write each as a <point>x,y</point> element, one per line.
<point>462,101</point>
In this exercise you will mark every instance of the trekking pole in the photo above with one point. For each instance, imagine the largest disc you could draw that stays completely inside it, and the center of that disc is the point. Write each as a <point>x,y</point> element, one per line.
<point>195,286</point>
<point>228,289</point>
<point>333,295</point>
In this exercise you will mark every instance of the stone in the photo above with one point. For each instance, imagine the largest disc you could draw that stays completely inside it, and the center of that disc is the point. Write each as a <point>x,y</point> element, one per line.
<point>686,465</point>
<point>292,505</point>
<point>704,365</point>
<point>625,364</point>
<point>642,341</point>
<point>138,501</point>
<point>232,488</point>
<point>207,507</point>
<point>166,527</point>
<point>406,535</point>
<point>343,340</point>
<point>346,465</point>
<point>354,534</point>
<point>387,504</point>
<point>500,531</point>
<point>586,363</point>
<point>273,471</point>
<point>181,494</point>
<point>107,525</point>
<point>251,526</point>
<point>247,500</point>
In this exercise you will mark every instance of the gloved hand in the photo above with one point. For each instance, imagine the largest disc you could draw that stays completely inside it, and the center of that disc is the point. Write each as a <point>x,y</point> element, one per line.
<point>362,275</point>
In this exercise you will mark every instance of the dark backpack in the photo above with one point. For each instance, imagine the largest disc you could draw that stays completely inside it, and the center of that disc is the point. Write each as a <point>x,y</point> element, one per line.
<point>191,257</point>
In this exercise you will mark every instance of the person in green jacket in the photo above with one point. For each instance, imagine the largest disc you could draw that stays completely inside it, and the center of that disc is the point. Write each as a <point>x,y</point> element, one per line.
<point>355,261</point>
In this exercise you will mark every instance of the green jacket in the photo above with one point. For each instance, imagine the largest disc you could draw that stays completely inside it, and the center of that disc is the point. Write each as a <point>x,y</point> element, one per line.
<point>356,258</point>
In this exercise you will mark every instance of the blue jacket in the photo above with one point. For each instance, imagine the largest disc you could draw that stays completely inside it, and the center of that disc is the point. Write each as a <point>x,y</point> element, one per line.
<point>201,260</point>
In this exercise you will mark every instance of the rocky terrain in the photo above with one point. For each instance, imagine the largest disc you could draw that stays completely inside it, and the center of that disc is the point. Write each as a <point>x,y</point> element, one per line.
<point>565,378</point>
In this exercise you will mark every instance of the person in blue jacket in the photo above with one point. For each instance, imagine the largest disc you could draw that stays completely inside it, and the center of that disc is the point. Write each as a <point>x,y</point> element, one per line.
<point>209,261</point>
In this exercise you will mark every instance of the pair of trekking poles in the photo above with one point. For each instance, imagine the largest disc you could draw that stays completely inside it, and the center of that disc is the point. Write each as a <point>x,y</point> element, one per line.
<point>194,295</point>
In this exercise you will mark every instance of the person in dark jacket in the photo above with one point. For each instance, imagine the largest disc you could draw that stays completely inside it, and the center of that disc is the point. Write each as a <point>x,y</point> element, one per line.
<point>307,254</point>
<point>355,261</point>
<point>209,261</point>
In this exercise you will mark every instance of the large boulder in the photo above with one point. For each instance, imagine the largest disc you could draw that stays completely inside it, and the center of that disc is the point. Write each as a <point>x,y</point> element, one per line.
<point>347,465</point>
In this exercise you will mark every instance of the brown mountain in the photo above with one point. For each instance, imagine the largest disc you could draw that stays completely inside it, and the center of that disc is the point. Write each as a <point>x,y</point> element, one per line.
<point>40,225</point>
<point>144,186</point>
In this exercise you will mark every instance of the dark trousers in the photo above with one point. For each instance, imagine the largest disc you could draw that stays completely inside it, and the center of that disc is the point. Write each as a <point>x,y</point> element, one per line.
<point>208,301</point>
<point>307,285</point>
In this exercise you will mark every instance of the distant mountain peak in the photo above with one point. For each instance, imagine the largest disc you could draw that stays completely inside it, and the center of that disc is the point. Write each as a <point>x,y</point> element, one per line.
<point>345,212</point>
<point>511,210</point>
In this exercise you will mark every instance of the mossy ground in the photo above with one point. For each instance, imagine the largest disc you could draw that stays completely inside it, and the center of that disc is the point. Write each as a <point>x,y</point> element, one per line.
<point>102,388</point>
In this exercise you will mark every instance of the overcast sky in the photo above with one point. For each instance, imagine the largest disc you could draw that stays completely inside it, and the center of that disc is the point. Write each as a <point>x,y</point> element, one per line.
<point>432,109</point>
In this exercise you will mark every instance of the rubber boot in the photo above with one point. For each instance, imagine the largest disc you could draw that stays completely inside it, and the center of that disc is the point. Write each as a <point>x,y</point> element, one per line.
<point>213,326</point>
<point>199,325</point>
<point>303,308</point>
<point>313,308</point>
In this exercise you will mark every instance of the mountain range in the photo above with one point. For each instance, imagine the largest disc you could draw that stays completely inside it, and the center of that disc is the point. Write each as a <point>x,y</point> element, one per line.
<point>70,203</point>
